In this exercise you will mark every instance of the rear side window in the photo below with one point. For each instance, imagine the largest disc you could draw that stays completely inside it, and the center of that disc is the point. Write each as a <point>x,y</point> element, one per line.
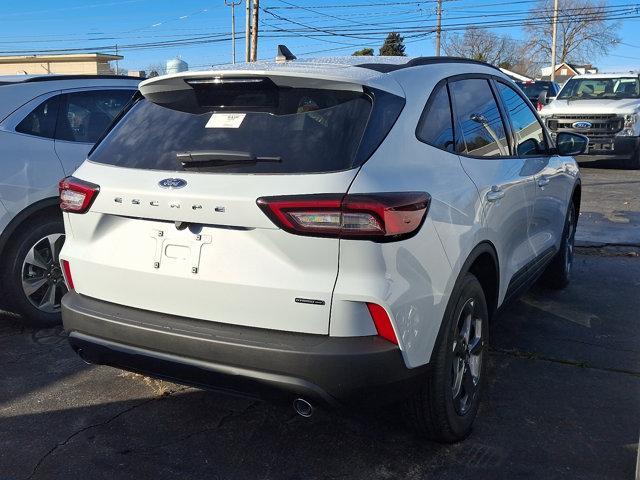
<point>478,116</point>
<point>528,131</point>
<point>84,116</point>
<point>41,122</point>
<point>436,127</point>
<point>292,130</point>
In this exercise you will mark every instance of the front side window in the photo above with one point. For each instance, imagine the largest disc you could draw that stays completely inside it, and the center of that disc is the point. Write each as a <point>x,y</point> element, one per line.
<point>41,122</point>
<point>477,114</point>
<point>84,116</point>
<point>435,127</point>
<point>529,135</point>
<point>600,88</point>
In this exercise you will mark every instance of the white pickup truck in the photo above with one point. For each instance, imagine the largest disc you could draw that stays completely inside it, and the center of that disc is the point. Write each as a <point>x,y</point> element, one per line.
<point>605,108</point>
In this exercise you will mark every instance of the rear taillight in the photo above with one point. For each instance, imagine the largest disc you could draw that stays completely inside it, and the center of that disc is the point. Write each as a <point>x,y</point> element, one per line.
<point>382,322</point>
<point>76,195</point>
<point>66,270</point>
<point>376,216</point>
<point>539,105</point>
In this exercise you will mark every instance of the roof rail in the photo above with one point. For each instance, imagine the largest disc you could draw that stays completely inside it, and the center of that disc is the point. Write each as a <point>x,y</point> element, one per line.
<point>420,61</point>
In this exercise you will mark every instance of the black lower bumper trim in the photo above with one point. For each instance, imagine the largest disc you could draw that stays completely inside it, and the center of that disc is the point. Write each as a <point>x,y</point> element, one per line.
<point>239,360</point>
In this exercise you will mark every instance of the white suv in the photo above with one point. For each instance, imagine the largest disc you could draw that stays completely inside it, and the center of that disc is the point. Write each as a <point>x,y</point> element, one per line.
<point>328,233</point>
<point>48,124</point>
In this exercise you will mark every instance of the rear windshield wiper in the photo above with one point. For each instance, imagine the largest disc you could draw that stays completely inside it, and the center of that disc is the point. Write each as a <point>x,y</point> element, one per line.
<point>210,158</point>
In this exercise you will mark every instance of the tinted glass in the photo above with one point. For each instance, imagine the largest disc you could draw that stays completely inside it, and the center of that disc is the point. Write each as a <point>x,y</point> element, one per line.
<point>528,131</point>
<point>316,131</point>
<point>435,126</point>
<point>477,114</point>
<point>84,116</point>
<point>42,120</point>
<point>590,88</point>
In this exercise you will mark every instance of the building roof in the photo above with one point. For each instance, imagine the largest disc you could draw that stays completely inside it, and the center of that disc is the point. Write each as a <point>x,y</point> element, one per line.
<point>45,77</point>
<point>71,57</point>
<point>516,76</point>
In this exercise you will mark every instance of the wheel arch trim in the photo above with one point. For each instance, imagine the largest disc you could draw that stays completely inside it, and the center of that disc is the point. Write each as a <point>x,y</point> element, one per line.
<point>24,215</point>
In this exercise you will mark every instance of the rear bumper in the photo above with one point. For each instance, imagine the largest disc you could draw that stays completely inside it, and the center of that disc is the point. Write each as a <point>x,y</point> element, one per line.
<point>247,361</point>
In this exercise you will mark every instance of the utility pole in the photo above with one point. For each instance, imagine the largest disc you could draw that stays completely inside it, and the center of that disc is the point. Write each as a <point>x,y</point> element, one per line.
<point>254,30</point>
<point>554,35</point>
<point>438,27</point>
<point>247,31</point>
<point>233,4</point>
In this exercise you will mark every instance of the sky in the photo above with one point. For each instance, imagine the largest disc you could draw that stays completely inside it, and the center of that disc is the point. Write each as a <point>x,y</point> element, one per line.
<point>308,27</point>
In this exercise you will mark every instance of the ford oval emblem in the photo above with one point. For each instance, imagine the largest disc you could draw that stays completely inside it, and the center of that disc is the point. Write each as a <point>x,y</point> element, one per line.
<point>172,183</point>
<point>582,125</point>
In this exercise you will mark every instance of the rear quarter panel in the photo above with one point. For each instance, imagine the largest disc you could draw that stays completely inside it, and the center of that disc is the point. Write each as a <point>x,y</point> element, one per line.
<point>413,279</point>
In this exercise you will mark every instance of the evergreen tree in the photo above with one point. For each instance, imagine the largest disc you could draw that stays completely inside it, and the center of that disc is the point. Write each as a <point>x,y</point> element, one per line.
<point>393,45</point>
<point>365,52</point>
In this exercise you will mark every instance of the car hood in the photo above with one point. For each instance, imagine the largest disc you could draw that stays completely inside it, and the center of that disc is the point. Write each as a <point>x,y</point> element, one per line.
<point>620,107</point>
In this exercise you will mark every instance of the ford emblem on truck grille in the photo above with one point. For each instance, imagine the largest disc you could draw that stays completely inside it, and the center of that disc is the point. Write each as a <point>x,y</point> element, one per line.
<point>582,125</point>
<point>172,183</point>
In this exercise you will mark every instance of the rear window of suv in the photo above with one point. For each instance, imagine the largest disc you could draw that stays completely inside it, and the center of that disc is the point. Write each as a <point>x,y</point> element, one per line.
<point>297,130</point>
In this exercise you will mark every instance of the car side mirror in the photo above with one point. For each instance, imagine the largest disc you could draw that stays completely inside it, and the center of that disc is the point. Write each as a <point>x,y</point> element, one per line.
<point>570,144</point>
<point>542,98</point>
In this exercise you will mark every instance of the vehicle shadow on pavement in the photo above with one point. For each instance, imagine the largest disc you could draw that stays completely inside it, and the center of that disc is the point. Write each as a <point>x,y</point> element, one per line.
<point>561,402</point>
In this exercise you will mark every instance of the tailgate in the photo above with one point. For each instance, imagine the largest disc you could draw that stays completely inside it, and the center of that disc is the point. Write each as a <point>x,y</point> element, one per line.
<point>209,254</point>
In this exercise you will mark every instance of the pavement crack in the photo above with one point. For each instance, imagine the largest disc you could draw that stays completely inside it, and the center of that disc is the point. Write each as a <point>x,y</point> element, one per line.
<point>574,363</point>
<point>189,435</point>
<point>84,429</point>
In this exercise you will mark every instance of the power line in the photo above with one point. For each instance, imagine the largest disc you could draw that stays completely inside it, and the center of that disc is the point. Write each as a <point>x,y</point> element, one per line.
<point>339,31</point>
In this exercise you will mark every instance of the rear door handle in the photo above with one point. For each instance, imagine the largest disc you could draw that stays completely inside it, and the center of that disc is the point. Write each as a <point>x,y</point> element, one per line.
<point>495,194</point>
<point>543,181</point>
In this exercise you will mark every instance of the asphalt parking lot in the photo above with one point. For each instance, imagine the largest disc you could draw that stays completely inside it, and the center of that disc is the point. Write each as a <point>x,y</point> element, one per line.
<point>563,400</point>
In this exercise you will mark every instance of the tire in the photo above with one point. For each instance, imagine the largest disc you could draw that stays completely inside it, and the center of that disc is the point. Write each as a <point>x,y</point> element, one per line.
<point>446,405</point>
<point>557,275</point>
<point>30,264</point>
<point>633,163</point>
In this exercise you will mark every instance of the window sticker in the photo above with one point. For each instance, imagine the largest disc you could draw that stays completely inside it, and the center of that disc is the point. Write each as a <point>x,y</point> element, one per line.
<point>225,120</point>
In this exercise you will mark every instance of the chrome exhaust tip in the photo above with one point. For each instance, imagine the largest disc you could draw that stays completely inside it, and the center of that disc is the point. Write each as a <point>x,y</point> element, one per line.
<point>302,407</point>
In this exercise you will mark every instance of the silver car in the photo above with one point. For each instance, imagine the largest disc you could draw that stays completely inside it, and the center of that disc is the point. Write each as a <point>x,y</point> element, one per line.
<point>48,124</point>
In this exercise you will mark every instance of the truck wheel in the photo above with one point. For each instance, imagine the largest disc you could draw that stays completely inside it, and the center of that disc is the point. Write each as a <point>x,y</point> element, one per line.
<point>558,273</point>
<point>33,279</point>
<point>633,163</point>
<point>445,407</point>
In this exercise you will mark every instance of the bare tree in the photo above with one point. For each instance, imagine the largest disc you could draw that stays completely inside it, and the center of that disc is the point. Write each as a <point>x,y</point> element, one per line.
<point>155,69</point>
<point>584,32</point>
<point>483,45</point>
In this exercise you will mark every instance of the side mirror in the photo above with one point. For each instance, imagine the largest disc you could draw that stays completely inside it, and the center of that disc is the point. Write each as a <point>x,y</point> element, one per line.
<point>571,144</point>
<point>542,98</point>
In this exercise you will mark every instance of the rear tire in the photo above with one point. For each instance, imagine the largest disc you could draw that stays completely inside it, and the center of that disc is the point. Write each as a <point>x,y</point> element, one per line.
<point>633,163</point>
<point>446,406</point>
<point>32,276</point>
<point>557,275</point>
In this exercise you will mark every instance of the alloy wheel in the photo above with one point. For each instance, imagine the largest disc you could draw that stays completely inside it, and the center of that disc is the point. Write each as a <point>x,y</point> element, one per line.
<point>42,280</point>
<point>467,358</point>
